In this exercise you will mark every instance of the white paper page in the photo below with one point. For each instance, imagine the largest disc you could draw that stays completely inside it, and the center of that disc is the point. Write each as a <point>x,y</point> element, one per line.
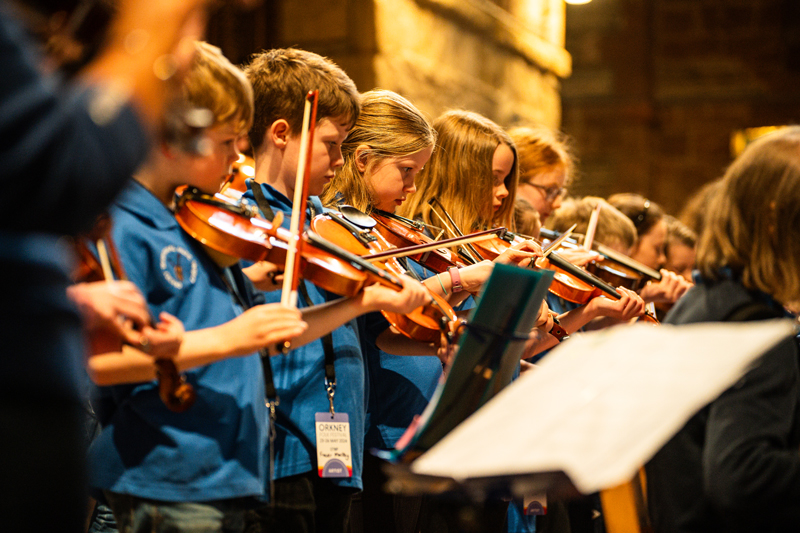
<point>601,404</point>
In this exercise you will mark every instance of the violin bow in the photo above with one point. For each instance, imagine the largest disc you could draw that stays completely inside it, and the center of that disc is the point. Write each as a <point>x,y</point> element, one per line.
<point>553,244</point>
<point>468,249</point>
<point>435,245</point>
<point>592,228</point>
<point>298,220</point>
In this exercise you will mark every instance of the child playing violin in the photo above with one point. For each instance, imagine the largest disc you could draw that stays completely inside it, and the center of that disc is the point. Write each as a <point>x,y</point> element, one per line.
<point>472,176</point>
<point>734,466</point>
<point>546,164</point>
<point>651,229</point>
<point>680,248</point>
<point>160,469</point>
<point>613,229</point>
<point>304,500</point>
<point>388,146</point>
<point>545,168</point>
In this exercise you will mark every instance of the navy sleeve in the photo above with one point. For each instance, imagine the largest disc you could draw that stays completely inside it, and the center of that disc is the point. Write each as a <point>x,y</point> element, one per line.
<point>59,167</point>
<point>749,460</point>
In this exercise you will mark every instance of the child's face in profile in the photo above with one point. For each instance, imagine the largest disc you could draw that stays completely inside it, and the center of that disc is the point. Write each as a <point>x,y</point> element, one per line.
<point>650,248</point>
<point>502,163</point>
<point>207,171</point>
<point>326,155</point>
<point>392,180</point>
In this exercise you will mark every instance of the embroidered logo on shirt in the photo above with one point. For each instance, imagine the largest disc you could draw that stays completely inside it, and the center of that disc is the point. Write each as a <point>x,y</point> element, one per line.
<point>178,266</point>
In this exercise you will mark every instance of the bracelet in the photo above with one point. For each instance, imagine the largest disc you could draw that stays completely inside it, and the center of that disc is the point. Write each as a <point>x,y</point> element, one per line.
<point>557,330</point>
<point>441,284</point>
<point>455,280</point>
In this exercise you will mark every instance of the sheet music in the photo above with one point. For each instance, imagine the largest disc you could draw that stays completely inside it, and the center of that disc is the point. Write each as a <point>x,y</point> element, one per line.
<point>600,405</point>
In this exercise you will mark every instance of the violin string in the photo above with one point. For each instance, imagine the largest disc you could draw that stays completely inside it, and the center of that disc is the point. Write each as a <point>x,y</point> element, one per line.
<point>465,249</point>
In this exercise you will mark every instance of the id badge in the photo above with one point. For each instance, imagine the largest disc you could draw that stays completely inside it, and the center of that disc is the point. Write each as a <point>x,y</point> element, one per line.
<point>334,455</point>
<point>535,505</point>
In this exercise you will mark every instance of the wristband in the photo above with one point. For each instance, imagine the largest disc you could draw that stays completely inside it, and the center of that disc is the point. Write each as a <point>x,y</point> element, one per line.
<point>557,331</point>
<point>455,279</point>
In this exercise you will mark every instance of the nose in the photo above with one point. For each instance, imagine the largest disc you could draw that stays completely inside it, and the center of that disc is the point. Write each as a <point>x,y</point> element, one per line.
<point>662,259</point>
<point>411,187</point>
<point>233,153</point>
<point>556,203</point>
<point>337,159</point>
<point>502,191</point>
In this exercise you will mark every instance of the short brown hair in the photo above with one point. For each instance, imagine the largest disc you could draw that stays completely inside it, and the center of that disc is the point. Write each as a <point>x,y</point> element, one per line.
<point>679,232</point>
<point>281,80</point>
<point>526,219</point>
<point>392,128</point>
<point>613,227</point>
<point>644,213</point>
<point>752,225</point>
<point>214,83</point>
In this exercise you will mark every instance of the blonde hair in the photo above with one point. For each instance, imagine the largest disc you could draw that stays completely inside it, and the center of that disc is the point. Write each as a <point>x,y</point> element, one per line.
<point>214,83</point>
<point>678,232</point>
<point>281,80</point>
<point>541,151</point>
<point>459,174</point>
<point>392,128</point>
<point>613,227</point>
<point>752,225</point>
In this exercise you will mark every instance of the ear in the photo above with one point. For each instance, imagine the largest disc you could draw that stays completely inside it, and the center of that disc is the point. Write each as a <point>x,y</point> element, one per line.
<point>361,154</point>
<point>278,133</point>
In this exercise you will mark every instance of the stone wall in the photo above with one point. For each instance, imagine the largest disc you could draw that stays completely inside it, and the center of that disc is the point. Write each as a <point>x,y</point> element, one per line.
<point>502,59</point>
<point>659,87</point>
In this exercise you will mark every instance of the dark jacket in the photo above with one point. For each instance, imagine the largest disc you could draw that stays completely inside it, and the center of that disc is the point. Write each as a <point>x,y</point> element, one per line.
<point>735,466</point>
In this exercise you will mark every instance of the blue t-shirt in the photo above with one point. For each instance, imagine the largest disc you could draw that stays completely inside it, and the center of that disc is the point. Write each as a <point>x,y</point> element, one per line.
<point>214,450</point>
<point>300,381</point>
<point>400,387</point>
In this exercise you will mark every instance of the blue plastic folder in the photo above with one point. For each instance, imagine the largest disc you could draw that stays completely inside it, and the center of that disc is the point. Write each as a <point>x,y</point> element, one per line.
<point>487,356</point>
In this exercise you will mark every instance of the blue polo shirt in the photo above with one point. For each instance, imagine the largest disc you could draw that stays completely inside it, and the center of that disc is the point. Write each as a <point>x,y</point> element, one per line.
<point>400,386</point>
<point>300,381</point>
<point>214,450</point>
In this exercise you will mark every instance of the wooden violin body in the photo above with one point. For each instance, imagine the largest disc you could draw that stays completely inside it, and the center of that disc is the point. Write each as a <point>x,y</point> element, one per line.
<point>173,389</point>
<point>235,229</point>
<point>402,232</point>
<point>426,323</point>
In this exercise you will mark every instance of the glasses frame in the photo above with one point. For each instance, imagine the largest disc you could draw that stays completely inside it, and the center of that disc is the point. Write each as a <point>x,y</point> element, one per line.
<point>550,193</point>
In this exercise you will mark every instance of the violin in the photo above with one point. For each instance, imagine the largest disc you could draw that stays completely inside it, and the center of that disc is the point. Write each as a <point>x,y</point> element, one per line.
<point>234,229</point>
<point>403,232</point>
<point>570,282</point>
<point>355,231</point>
<point>234,183</point>
<point>615,266</point>
<point>563,285</point>
<point>173,389</point>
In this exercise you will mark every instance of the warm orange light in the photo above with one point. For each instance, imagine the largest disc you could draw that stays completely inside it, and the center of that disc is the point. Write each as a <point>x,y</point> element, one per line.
<point>577,2</point>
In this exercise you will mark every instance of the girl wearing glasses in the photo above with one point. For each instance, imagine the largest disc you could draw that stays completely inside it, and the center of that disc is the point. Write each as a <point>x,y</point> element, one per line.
<point>472,174</point>
<point>545,165</point>
<point>390,143</point>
